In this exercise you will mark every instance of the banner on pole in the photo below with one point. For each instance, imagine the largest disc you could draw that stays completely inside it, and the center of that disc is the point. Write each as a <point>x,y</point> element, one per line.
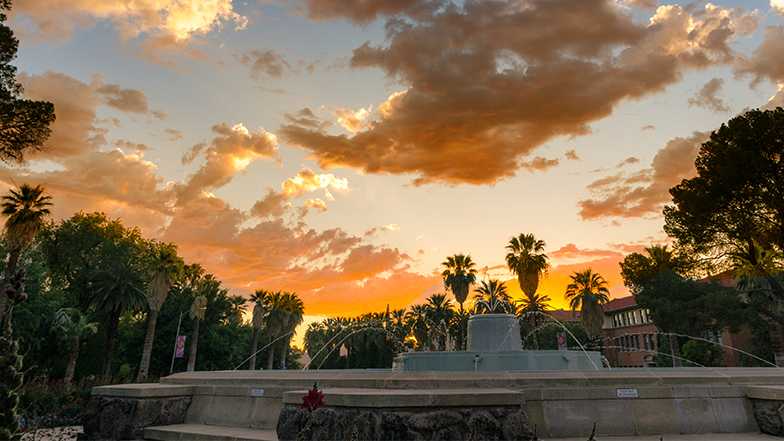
<point>562,341</point>
<point>179,350</point>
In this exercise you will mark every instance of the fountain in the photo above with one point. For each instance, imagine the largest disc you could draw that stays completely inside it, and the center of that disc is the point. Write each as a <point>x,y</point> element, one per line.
<point>494,345</point>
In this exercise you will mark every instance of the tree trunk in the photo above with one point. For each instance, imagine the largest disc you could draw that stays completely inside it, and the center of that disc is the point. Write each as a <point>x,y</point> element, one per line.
<point>194,346</point>
<point>254,346</point>
<point>149,339</point>
<point>10,269</point>
<point>270,355</point>
<point>284,350</point>
<point>70,369</point>
<point>676,362</point>
<point>111,334</point>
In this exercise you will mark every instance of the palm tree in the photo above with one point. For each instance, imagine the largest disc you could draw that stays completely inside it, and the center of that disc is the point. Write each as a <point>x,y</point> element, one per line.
<point>73,326</point>
<point>491,297</point>
<point>588,292</point>
<point>258,300</point>
<point>438,313</point>
<point>197,312</point>
<point>538,303</point>
<point>757,267</point>
<point>296,312</point>
<point>459,274</point>
<point>25,209</point>
<point>526,259</point>
<point>116,289</point>
<point>416,320</point>
<point>166,267</point>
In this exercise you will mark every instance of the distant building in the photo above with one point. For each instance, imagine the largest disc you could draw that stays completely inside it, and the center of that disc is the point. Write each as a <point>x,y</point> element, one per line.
<point>631,337</point>
<point>629,334</point>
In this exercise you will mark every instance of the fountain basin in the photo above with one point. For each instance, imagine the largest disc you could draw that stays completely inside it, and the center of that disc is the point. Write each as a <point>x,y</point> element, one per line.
<point>541,360</point>
<point>494,333</point>
<point>494,345</point>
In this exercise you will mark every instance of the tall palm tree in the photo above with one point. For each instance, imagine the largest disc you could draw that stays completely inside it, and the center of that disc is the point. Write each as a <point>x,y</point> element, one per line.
<point>491,297</point>
<point>25,209</point>
<point>438,313</point>
<point>73,326</point>
<point>166,266</point>
<point>527,260</point>
<point>116,289</point>
<point>588,292</point>
<point>197,312</point>
<point>459,274</point>
<point>258,299</point>
<point>296,312</point>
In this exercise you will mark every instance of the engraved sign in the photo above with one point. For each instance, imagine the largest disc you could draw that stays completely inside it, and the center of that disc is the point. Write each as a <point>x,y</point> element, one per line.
<point>627,393</point>
<point>257,392</point>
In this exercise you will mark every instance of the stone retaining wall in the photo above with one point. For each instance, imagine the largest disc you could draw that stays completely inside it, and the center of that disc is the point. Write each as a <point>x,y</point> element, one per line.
<point>407,424</point>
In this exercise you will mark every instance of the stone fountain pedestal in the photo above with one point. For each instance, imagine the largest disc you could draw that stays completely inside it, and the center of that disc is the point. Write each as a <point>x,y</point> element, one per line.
<point>494,344</point>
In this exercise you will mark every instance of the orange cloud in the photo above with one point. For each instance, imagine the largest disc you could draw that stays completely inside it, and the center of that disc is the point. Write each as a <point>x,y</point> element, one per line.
<point>708,98</point>
<point>644,193</point>
<point>231,150</point>
<point>180,20</point>
<point>492,81</point>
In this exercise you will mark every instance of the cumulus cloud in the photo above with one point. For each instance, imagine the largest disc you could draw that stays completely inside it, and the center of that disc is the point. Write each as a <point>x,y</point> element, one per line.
<point>778,6</point>
<point>252,249</point>
<point>306,180</point>
<point>74,131</point>
<point>364,11</point>
<point>173,134</point>
<point>644,4</point>
<point>179,20</point>
<point>707,96</point>
<point>644,192</point>
<point>539,164</point>
<point>231,150</point>
<point>492,81</point>
<point>264,63</point>
<point>276,204</point>
<point>125,100</point>
<point>571,251</point>
<point>353,120</point>
<point>766,63</point>
<point>628,161</point>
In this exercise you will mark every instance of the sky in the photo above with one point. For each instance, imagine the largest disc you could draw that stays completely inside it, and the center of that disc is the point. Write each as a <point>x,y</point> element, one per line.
<point>343,148</point>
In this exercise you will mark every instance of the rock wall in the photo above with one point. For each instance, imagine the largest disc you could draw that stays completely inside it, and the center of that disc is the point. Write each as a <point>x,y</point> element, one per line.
<point>380,424</point>
<point>115,418</point>
<point>770,416</point>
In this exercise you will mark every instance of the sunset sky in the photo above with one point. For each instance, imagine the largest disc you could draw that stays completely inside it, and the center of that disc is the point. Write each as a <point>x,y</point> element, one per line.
<point>342,148</point>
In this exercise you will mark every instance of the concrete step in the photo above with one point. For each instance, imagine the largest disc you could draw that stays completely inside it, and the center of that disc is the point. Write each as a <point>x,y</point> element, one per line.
<point>701,437</point>
<point>201,432</point>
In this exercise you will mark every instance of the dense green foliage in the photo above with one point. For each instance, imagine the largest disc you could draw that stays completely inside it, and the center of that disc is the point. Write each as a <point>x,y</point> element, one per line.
<point>24,124</point>
<point>11,380</point>
<point>102,269</point>
<point>736,201</point>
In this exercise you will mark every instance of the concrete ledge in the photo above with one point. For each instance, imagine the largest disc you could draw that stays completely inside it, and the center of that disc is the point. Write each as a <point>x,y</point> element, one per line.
<point>633,391</point>
<point>775,393</point>
<point>396,398</point>
<point>143,390</point>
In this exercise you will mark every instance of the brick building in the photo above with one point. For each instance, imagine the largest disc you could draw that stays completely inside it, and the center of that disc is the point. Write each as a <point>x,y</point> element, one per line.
<point>631,337</point>
<point>629,334</point>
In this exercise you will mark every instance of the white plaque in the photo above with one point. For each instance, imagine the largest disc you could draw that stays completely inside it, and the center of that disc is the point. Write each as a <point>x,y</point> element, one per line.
<point>257,392</point>
<point>627,393</point>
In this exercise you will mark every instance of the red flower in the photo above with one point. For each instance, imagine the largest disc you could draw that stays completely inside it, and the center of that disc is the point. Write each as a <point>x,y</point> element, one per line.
<point>313,399</point>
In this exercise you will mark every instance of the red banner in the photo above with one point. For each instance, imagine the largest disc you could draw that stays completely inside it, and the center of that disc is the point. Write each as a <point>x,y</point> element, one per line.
<point>179,351</point>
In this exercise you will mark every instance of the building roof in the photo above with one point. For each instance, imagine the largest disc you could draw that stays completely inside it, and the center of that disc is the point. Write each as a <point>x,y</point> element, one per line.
<point>620,304</point>
<point>564,315</point>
